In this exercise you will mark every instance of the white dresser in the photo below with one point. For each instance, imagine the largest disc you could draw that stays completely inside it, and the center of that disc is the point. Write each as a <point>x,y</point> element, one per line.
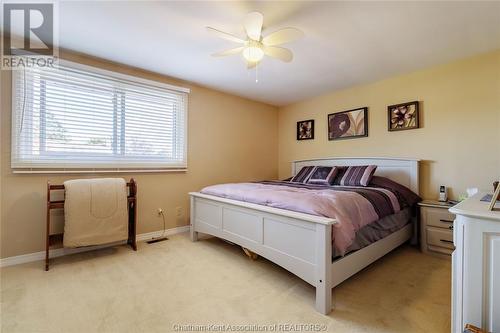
<point>476,266</point>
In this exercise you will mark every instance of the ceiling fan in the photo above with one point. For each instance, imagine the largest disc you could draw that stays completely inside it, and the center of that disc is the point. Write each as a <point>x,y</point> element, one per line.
<point>254,47</point>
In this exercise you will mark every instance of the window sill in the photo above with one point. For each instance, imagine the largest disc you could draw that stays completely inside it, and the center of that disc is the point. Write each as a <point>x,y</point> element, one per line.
<point>97,171</point>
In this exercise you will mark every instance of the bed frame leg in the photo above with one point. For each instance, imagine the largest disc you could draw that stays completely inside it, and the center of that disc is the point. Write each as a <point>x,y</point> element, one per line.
<point>324,268</point>
<point>324,299</point>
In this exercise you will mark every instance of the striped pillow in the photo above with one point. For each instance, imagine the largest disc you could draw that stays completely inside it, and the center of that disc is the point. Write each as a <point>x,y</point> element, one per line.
<point>340,173</point>
<point>303,175</point>
<point>358,175</point>
<point>323,175</point>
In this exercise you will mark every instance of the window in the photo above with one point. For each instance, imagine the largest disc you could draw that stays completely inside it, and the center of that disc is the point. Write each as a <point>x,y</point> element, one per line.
<point>77,116</point>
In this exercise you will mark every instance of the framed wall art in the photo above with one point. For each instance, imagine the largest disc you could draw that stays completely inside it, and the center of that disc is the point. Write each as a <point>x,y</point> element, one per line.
<point>305,129</point>
<point>403,116</point>
<point>348,124</point>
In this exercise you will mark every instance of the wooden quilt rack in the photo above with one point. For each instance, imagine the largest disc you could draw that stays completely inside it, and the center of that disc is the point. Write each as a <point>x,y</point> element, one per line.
<point>56,239</point>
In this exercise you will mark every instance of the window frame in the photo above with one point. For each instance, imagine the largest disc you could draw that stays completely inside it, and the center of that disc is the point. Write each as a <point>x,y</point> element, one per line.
<point>88,168</point>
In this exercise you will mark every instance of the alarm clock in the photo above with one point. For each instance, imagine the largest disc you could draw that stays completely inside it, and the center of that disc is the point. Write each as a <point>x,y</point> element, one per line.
<point>443,193</point>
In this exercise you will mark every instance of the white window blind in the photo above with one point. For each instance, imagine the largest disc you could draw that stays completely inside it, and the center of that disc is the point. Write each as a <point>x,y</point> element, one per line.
<point>78,117</point>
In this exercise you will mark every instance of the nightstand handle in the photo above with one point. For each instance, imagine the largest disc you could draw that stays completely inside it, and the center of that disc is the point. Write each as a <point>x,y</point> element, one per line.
<point>450,227</point>
<point>446,221</point>
<point>446,241</point>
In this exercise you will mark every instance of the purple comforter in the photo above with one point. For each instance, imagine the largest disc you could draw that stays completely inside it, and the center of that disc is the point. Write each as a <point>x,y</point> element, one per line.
<point>352,207</point>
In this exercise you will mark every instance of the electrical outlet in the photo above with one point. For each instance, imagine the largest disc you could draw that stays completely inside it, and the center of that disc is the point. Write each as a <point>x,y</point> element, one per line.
<point>178,211</point>
<point>160,211</point>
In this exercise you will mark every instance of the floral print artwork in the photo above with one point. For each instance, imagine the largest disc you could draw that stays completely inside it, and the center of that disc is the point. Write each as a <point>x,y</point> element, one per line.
<point>348,124</point>
<point>305,130</point>
<point>403,116</point>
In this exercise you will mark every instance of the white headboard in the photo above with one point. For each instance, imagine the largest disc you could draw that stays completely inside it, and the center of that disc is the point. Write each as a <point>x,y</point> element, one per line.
<point>401,170</point>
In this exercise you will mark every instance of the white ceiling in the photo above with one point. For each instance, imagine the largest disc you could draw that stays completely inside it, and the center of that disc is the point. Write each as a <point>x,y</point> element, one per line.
<point>345,44</point>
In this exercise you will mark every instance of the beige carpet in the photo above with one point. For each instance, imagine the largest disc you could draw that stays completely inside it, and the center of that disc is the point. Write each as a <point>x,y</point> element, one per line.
<point>211,282</point>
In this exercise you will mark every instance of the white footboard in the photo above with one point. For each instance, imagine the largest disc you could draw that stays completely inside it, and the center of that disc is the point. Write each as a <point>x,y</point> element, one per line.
<point>300,243</point>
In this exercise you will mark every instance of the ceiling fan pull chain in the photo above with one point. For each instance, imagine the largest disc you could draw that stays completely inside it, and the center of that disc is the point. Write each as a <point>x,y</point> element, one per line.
<point>257,73</point>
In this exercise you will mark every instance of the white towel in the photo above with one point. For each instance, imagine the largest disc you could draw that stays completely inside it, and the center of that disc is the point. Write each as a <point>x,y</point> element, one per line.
<point>95,211</point>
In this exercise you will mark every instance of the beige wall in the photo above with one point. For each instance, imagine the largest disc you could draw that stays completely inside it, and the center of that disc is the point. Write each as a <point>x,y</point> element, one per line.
<point>459,141</point>
<point>230,139</point>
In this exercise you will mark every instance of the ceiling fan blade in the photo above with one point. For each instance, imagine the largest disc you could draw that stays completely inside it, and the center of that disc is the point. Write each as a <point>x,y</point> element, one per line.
<point>282,36</point>
<point>225,35</point>
<point>253,25</point>
<point>236,50</point>
<point>278,53</point>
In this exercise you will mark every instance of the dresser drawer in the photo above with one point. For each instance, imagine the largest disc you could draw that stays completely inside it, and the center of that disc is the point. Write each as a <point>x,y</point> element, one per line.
<point>440,237</point>
<point>440,218</point>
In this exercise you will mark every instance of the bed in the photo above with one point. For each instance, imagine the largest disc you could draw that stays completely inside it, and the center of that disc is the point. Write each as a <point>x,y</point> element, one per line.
<point>306,251</point>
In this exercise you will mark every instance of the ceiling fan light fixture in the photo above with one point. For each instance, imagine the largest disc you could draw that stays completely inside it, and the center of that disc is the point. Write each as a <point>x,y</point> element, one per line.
<point>253,51</point>
<point>253,54</point>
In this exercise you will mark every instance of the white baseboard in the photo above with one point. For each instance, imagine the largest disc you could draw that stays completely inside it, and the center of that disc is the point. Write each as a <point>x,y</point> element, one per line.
<point>24,258</point>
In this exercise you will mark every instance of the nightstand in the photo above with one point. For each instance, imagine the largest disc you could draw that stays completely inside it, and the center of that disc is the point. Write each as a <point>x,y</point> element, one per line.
<point>436,228</point>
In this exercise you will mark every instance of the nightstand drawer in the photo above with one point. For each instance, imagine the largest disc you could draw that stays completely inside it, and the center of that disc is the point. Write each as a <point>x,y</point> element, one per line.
<point>440,250</point>
<point>440,218</point>
<point>440,237</point>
